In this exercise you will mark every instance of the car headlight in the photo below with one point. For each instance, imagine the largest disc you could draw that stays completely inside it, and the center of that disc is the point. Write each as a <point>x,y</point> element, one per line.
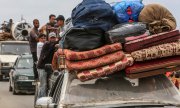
<point>23,78</point>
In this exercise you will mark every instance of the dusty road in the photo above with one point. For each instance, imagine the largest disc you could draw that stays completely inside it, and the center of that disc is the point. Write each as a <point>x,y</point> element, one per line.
<point>8,100</point>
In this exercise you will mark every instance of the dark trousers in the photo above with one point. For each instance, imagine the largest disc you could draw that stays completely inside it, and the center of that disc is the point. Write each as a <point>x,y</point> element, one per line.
<point>34,56</point>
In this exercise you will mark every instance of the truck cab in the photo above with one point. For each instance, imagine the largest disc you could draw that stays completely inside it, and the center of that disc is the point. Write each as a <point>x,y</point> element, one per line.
<point>9,51</point>
<point>113,91</point>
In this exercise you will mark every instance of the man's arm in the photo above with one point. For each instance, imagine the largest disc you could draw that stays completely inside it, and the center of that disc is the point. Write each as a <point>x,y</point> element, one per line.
<point>33,35</point>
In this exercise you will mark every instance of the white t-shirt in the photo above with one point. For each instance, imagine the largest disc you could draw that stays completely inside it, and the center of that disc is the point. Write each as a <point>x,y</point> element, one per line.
<point>39,48</point>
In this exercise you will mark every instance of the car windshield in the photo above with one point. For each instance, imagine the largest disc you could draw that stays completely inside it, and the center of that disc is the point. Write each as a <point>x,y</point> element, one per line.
<point>153,89</point>
<point>14,48</point>
<point>25,63</point>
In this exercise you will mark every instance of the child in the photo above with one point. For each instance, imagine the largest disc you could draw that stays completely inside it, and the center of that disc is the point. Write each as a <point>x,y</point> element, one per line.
<point>42,39</point>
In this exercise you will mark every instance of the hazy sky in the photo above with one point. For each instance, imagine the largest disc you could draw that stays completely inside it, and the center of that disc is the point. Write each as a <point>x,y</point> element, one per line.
<point>41,9</point>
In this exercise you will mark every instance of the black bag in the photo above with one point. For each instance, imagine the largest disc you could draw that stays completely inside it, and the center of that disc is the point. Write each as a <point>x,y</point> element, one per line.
<point>93,14</point>
<point>83,39</point>
<point>119,32</point>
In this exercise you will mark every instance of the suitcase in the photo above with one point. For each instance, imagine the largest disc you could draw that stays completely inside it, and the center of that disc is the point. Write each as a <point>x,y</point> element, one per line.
<point>153,67</point>
<point>105,70</point>
<point>95,62</point>
<point>159,51</point>
<point>156,39</point>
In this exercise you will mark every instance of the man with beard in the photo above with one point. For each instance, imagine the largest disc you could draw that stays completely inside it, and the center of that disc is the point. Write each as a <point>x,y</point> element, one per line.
<point>33,39</point>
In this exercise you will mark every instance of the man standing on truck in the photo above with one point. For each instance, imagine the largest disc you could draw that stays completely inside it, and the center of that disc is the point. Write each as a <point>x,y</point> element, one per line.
<point>60,24</point>
<point>46,29</point>
<point>33,39</point>
<point>46,56</point>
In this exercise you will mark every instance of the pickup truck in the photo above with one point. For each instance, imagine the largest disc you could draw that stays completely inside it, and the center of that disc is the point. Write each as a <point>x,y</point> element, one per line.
<point>113,91</point>
<point>9,51</point>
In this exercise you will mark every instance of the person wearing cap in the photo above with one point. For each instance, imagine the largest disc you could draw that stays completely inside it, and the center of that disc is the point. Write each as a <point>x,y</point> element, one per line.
<point>60,23</point>
<point>46,57</point>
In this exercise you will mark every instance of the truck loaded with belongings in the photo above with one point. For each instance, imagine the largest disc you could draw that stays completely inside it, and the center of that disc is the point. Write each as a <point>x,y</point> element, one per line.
<point>99,44</point>
<point>126,42</point>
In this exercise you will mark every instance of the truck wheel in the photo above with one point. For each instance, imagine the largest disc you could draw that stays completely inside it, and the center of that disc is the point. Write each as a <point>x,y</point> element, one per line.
<point>10,88</point>
<point>1,77</point>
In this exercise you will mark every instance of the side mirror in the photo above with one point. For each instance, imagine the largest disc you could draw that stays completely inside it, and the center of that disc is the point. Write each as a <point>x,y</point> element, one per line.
<point>48,68</point>
<point>45,102</point>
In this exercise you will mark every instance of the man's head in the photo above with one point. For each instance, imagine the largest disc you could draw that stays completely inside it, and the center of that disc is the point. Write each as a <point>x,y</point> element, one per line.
<point>60,20</point>
<point>36,23</point>
<point>42,38</point>
<point>52,37</point>
<point>10,20</point>
<point>52,18</point>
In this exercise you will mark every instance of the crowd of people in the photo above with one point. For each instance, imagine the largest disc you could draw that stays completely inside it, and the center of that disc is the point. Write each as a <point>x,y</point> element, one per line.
<point>43,43</point>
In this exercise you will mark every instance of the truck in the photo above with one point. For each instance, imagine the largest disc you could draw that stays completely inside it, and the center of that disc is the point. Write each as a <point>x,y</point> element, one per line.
<point>111,91</point>
<point>9,51</point>
<point>13,42</point>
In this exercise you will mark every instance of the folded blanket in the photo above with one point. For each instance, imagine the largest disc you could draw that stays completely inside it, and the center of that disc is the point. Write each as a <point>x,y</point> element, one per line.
<point>152,72</point>
<point>153,67</point>
<point>156,39</point>
<point>72,55</point>
<point>159,51</point>
<point>105,70</point>
<point>146,66</point>
<point>95,62</point>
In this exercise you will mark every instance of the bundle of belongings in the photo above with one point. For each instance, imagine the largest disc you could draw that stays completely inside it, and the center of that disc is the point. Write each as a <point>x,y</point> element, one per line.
<point>127,35</point>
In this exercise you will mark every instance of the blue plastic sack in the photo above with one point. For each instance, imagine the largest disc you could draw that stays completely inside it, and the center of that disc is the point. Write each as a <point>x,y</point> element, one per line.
<point>120,9</point>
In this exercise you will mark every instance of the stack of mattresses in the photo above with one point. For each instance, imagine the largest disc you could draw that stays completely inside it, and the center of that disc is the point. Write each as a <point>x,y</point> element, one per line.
<point>98,62</point>
<point>153,55</point>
